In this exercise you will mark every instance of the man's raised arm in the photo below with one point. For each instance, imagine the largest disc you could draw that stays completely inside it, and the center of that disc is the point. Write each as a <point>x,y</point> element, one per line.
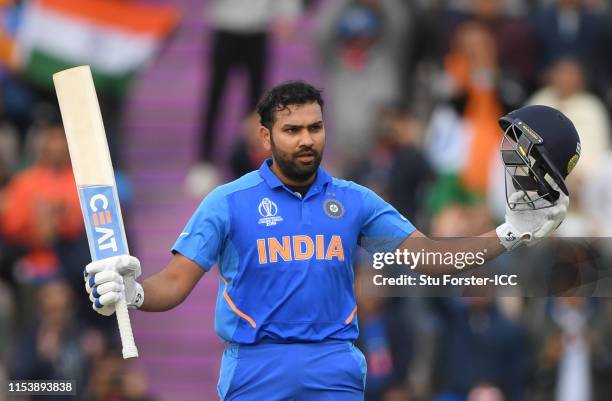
<point>526,226</point>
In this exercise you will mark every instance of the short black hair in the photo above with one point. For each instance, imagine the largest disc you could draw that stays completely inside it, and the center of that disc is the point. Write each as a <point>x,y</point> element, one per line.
<point>286,94</point>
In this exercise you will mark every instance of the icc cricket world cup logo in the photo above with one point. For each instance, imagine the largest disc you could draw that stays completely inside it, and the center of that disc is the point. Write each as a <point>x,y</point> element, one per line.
<point>268,212</point>
<point>267,208</point>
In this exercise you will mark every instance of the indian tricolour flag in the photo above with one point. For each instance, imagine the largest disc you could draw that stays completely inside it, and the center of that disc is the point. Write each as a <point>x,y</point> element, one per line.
<point>115,37</point>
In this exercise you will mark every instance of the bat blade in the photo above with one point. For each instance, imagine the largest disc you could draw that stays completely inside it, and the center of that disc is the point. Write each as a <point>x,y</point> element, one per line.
<point>95,180</point>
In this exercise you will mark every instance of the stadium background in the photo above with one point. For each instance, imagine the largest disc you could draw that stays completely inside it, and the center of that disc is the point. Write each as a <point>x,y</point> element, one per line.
<point>413,92</point>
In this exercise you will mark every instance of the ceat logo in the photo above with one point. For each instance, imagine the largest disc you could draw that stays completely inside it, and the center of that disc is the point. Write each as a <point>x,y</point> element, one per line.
<point>269,213</point>
<point>101,217</point>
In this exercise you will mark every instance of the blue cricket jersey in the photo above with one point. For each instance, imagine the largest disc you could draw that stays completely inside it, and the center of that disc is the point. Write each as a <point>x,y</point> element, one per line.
<point>286,261</point>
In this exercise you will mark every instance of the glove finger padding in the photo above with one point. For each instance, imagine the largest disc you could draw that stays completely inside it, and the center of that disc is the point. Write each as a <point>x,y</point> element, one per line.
<point>105,288</point>
<point>564,200</point>
<point>102,283</point>
<point>543,232</point>
<point>127,264</point>
<point>106,303</point>
<point>555,216</point>
<point>105,277</point>
<point>96,267</point>
<point>104,310</point>
<point>516,196</point>
<point>122,264</point>
<point>88,288</point>
<point>108,299</point>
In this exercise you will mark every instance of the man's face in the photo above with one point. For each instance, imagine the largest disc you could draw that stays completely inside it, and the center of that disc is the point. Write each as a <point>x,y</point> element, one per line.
<point>54,148</point>
<point>297,140</point>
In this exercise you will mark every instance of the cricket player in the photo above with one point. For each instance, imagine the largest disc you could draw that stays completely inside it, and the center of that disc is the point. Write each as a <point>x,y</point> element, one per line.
<point>285,236</point>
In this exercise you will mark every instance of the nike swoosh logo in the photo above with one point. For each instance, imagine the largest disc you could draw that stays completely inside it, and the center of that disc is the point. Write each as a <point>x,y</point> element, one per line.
<point>183,234</point>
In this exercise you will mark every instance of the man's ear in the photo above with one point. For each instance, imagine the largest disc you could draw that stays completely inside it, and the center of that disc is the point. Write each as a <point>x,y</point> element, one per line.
<point>265,133</point>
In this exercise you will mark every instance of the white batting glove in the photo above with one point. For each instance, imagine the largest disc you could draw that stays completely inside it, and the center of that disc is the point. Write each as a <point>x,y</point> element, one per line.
<point>107,279</point>
<point>525,225</point>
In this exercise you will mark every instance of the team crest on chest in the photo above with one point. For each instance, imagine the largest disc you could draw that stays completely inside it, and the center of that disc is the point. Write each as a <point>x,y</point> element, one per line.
<point>333,208</point>
<point>268,211</point>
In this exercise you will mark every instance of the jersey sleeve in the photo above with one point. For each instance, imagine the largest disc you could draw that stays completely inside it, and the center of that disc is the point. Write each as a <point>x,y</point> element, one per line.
<point>383,228</point>
<point>206,231</point>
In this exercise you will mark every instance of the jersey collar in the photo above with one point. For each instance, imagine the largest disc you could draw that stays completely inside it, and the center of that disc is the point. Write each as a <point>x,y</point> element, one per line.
<point>274,182</point>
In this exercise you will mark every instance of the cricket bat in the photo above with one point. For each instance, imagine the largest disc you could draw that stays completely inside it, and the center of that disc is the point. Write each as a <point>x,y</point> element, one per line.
<point>95,180</point>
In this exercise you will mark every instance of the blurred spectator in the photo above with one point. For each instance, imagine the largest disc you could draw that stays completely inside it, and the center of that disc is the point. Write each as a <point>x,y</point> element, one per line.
<point>472,67</point>
<point>420,380</point>
<point>478,344</point>
<point>446,148</point>
<point>16,97</point>
<point>601,57</point>
<point>105,383</point>
<point>3,378</point>
<point>135,385</point>
<point>446,139</point>
<point>395,167</point>
<point>385,340</point>
<point>113,379</point>
<point>514,40</point>
<point>463,135</point>
<point>41,205</point>
<point>573,360</point>
<point>396,394</point>
<point>9,155</point>
<point>6,318</point>
<point>597,199</point>
<point>248,152</point>
<point>9,149</point>
<point>56,347</point>
<point>360,45</point>
<point>18,103</point>
<point>485,392</point>
<point>591,5</point>
<point>565,28</point>
<point>240,36</point>
<point>566,91</point>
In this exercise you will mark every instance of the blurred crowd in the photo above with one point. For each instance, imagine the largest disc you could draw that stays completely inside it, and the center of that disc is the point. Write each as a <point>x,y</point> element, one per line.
<point>47,328</point>
<point>413,93</point>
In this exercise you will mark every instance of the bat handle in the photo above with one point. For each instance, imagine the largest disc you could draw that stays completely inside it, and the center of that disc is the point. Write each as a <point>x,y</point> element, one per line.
<point>125,330</point>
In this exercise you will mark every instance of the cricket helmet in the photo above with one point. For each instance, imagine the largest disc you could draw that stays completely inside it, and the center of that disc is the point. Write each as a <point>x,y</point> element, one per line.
<point>539,148</point>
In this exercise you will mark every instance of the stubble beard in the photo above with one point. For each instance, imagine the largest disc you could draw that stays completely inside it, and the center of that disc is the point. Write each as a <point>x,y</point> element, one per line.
<point>292,168</point>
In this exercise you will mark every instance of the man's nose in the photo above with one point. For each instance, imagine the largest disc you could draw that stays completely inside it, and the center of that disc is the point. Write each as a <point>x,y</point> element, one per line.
<point>306,138</point>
